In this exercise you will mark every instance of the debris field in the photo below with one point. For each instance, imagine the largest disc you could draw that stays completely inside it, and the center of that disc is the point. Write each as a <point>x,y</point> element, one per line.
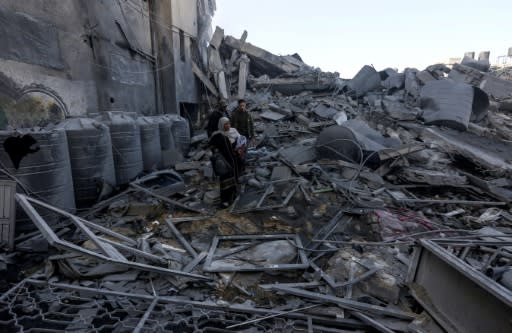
<point>380,203</point>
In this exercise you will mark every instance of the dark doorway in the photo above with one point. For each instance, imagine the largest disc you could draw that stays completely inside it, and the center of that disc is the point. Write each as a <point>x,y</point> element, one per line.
<point>190,112</point>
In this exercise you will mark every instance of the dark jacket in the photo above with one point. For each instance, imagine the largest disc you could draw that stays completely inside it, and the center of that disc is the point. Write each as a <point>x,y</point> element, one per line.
<point>226,165</point>
<point>221,144</point>
<point>242,121</point>
<point>213,121</point>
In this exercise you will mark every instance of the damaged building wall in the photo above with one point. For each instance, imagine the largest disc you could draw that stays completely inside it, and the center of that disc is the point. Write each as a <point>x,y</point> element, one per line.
<point>184,38</point>
<point>87,57</point>
<point>122,56</point>
<point>175,29</point>
<point>47,49</point>
<point>163,48</point>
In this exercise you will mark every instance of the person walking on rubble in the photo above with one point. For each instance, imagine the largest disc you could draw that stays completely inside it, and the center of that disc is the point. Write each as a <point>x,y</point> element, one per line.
<point>241,119</point>
<point>213,121</point>
<point>226,160</point>
<point>238,141</point>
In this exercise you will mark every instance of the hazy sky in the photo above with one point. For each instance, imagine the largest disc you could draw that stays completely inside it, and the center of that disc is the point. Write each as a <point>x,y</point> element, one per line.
<point>342,36</point>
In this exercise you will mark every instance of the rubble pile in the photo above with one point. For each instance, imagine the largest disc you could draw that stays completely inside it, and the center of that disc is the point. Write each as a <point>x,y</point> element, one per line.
<point>351,191</point>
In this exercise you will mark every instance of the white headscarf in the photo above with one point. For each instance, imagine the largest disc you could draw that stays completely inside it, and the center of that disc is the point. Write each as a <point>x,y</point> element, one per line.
<point>232,134</point>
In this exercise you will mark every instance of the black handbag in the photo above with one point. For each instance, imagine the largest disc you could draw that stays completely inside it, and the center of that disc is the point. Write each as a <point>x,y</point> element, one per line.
<point>220,166</point>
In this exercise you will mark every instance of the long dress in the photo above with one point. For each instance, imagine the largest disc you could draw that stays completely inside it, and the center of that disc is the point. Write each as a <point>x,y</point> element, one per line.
<point>228,178</point>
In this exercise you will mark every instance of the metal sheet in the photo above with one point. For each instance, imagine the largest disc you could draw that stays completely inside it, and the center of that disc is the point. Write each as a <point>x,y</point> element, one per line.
<point>457,296</point>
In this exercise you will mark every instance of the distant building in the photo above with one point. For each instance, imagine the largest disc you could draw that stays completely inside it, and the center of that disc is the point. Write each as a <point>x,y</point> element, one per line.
<point>501,61</point>
<point>96,56</point>
<point>506,60</point>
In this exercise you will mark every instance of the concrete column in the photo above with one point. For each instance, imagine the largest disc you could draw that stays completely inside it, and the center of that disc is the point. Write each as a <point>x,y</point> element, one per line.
<point>242,75</point>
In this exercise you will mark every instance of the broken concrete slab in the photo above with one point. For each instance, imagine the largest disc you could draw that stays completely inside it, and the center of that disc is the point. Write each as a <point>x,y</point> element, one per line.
<point>438,71</point>
<point>399,111</point>
<point>353,142</point>
<point>293,85</point>
<point>425,76</point>
<point>284,111</point>
<point>217,37</point>
<point>496,87</point>
<point>502,191</point>
<point>216,67</point>
<point>482,65</point>
<point>298,154</point>
<point>452,104</point>
<point>412,85</point>
<point>394,79</point>
<point>369,138</point>
<point>505,104</point>
<point>325,111</point>
<point>433,177</point>
<point>339,142</point>
<point>494,156</point>
<point>303,120</point>
<point>271,115</point>
<point>366,80</point>
<point>467,75</point>
<point>262,61</point>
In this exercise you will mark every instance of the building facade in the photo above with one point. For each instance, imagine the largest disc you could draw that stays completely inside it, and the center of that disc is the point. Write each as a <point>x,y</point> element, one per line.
<point>82,57</point>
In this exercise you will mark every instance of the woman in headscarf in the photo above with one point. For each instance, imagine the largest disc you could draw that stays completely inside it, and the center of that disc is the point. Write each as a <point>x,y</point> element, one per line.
<point>225,163</point>
<point>238,141</point>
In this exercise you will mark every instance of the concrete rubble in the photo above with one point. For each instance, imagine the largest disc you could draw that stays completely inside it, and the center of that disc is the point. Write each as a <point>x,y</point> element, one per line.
<point>351,188</point>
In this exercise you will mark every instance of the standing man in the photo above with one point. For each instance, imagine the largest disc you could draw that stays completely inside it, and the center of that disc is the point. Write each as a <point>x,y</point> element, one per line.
<point>241,120</point>
<point>219,112</point>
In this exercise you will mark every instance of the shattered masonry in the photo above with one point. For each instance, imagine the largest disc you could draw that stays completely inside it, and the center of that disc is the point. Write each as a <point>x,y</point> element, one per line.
<point>376,204</point>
